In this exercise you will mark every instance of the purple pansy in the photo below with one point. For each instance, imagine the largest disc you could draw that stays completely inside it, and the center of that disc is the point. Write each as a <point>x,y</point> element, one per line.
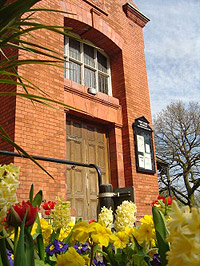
<point>56,247</point>
<point>156,260</point>
<point>98,263</point>
<point>80,249</point>
<point>10,257</point>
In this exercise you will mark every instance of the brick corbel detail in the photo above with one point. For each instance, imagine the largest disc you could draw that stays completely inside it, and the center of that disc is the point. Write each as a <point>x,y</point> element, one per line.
<point>135,15</point>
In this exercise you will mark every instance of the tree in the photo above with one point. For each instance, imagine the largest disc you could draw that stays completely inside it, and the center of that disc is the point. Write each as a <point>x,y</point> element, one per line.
<point>177,140</point>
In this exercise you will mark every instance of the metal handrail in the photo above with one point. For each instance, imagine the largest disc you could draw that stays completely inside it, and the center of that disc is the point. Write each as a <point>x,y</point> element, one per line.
<point>47,159</point>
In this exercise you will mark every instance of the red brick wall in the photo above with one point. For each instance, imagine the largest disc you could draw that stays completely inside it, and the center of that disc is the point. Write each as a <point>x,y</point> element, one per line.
<point>122,39</point>
<point>41,130</point>
<point>7,110</point>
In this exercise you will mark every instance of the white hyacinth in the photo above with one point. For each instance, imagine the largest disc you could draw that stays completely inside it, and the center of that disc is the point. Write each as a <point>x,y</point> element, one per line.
<point>125,215</point>
<point>106,217</point>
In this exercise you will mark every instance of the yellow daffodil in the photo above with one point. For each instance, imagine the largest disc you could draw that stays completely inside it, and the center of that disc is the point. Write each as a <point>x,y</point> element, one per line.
<point>70,258</point>
<point>99,234</point>
<point>130,231</point>
<point>46,230</point>
<point>80,233</point>
<point>34,228</point>
<point>86,259</point>
<point>147,219</point>
<point>120,240</point>
<point>146,232</point>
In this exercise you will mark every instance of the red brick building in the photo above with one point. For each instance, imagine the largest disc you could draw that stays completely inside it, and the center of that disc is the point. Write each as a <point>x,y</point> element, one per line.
<point>106,90</point>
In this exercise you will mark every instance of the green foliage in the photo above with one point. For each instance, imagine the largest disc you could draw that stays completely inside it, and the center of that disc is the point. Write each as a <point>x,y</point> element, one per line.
<point>37,199</point>
<point>161,234</point>
<point>40,263</point>
<point>19,253</point>
<point>4,257</point>
<point>29,248</point>
<point>40,242</point>
<point>141,253</point>
<point>31,193</point>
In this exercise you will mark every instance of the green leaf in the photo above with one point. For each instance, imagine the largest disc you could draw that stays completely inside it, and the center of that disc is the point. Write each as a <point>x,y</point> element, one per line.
<point>40,242</point>
<point>67,239</point>
<point>41,263</point>
<point>29,248</point>
<point>110,256</point>
<point>10,12</point>
<point>19,253</point>
<point>138,260</point>
<point>161,234</point>
<point>3,253</point>
<point>31,194</point>
<point>37,199</point>
<point>141,252</point>
<point>34,236</point>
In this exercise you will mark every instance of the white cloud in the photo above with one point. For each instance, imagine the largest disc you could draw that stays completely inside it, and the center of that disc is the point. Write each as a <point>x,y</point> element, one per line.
<point>172,50</point>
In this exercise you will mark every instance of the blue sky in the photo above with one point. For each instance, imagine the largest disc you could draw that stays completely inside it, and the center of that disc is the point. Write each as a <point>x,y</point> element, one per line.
<point>172,50</point>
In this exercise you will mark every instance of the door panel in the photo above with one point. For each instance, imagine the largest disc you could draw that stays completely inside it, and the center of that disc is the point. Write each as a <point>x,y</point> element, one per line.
<point>86,143</point>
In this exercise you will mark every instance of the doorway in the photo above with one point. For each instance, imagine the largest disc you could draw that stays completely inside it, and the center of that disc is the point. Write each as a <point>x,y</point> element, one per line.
<point>86,143</point>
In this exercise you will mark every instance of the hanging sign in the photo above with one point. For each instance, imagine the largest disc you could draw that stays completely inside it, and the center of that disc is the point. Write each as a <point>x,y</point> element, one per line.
<point>145,161</point>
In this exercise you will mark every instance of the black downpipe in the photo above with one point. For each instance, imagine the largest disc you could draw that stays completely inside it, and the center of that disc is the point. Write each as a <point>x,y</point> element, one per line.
<point>47,159</point>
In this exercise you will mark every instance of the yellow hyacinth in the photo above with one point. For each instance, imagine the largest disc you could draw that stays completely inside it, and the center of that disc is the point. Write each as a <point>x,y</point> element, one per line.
<point>70,258</point>
<point>184,227</point>
<point>61,215</point>
<point>9,175</point>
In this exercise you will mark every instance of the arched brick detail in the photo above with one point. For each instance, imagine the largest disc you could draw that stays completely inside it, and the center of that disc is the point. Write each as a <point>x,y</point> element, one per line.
<point>90,25</point>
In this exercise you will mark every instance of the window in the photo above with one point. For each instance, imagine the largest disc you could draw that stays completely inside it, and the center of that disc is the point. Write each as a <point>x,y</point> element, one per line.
<point>86,65</point>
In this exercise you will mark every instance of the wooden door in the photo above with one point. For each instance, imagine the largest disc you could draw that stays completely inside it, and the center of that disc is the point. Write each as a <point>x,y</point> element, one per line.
<point>86,143</point>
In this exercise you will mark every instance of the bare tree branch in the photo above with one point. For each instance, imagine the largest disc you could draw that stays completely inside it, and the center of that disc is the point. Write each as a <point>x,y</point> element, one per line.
<point>177,138</point>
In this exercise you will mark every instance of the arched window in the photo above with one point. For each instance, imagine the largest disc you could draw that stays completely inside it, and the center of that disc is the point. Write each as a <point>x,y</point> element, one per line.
<point>86,65</point>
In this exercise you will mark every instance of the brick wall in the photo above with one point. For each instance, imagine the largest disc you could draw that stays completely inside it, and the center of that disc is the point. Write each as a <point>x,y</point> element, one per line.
<point>41,130</point>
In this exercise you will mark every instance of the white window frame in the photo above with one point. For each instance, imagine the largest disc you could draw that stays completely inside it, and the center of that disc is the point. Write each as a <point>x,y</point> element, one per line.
<point>82,64</point>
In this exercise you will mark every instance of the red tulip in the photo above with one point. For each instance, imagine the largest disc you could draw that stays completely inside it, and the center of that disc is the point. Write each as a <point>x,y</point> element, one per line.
<point>49,205</point>
<point>17,212</point>
<point>169,200</point>
<point>92,221</point>
<point>47,212</point>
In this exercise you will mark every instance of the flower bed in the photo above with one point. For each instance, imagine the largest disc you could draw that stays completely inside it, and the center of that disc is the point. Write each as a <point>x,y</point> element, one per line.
<point>28,239</point>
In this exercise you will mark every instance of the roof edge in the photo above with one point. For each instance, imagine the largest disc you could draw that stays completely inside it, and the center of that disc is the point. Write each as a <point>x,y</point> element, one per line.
<point>135,15</point>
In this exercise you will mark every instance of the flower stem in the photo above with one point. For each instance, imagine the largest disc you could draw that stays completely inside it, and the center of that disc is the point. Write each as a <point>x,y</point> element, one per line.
<point>4,255</point>
<point>92,250</point>
<point>15,238</point>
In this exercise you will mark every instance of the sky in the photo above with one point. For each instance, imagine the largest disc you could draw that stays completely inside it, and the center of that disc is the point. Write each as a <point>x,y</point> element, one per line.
<point>172,50</point>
